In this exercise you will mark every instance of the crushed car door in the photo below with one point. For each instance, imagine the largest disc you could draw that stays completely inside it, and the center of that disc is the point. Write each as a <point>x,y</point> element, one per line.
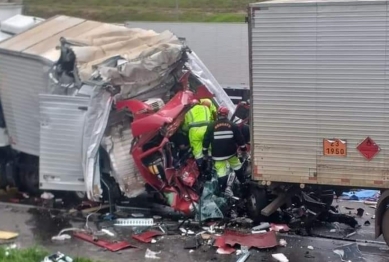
<point>62,123</point>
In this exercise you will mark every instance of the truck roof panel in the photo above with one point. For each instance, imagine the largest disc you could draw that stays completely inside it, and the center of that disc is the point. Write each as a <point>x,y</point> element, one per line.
<point>43,39</point>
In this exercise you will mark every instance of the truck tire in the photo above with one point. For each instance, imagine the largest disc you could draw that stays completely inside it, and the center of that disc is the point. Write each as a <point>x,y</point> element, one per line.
<point>385,226</point>
<point>256,201</point>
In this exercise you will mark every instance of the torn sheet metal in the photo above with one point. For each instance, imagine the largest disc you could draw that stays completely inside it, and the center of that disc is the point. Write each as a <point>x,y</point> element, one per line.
<point>95,123</point>
<point>146,237</point>
<point>111,246</point>
<point>205,76</point>
<point>261,241</point>
<point>117,143</point>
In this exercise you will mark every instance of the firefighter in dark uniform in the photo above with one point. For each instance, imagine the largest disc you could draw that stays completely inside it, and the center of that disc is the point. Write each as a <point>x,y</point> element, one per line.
<point>224,137</point>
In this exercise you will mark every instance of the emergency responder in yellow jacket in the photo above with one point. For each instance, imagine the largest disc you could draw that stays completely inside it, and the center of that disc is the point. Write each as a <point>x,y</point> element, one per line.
<point>195,124</point>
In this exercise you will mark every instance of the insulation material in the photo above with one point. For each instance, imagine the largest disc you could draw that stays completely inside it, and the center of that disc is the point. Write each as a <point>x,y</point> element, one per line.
<point>144,57</point>
<point>117,143</point>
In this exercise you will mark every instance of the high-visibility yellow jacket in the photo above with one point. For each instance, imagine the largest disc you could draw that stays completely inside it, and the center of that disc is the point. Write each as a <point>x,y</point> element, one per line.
<point>197,116</point>
<point>213,108</point>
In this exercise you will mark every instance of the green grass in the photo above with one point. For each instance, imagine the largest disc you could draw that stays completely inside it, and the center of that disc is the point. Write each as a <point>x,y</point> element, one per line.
<point>143,10</point>
<point>28,255</point>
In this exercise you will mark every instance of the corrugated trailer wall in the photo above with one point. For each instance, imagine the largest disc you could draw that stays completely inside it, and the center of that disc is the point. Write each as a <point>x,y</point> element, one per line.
<point>22,78</point>
<point>319,72</point>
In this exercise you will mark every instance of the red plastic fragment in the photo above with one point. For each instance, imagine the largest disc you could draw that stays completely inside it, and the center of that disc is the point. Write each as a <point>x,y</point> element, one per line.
<point>111,246</point>
<point>146,237</point>
<point>226,250</point>
<point>261,241</point>
<point>223,248</point>
<point>279,228</point>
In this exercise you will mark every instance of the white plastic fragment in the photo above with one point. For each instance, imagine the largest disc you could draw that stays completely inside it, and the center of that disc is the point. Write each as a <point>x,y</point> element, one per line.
<point>258,232</point>
<point>262,226</point>
<point>191,251</point>
<point>152,254</point>
<point>333,231</point>
<point>283,243</point>
<point>153,241</point>
<point>142,222</point>
<point>244,257</point>
<point>47,196</point>
<point>200,233</point>
<point>210,229</point>
<point>62,237</point>
<point>310,247</point>
<point>280,257</point>
<point>340,253</point>
<point>107,232</point>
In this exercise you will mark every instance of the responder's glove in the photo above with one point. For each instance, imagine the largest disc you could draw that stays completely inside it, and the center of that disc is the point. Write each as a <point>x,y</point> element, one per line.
<point>228,192</point>
<point>245,154</point>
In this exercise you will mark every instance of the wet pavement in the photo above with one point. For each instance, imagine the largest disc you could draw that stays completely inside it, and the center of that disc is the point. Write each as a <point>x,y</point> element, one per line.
<point>36,227</point>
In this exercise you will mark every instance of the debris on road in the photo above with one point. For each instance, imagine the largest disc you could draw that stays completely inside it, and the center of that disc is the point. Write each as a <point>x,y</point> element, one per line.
<point>186,231</point>
<point>152,255</point>
<point>225,250</point>
<point>350,253</point>
<point>58,257</point>
<point>147,237</point>
<point>310,247</point>
<point>244,256</point>
<point>6,235</point>
<point>307,255</point>
<point>280,257</point>
<point>111,246</point>
<point>47,196</point>
<point>351,234</point>
<point>283,243</point>
<point>62,237</point>
<point>367,223</point>
<point>261,241</point>
<point>282,228</point>
<point>262,226</point>
<point>133,222</point>
<point>360,212</point>
<point>368,195</point>
<point>107,232</point>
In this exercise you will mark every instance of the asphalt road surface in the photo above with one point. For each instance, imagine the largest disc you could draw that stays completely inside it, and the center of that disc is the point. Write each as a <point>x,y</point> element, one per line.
<point>37,227</point>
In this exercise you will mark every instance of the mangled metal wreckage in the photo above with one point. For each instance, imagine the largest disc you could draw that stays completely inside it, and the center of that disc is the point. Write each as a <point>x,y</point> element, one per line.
<point>98,105</point>
<point>114,99</point>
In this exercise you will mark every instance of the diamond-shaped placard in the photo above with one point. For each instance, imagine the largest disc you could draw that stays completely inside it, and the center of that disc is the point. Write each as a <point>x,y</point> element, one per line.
<point>368,148</point>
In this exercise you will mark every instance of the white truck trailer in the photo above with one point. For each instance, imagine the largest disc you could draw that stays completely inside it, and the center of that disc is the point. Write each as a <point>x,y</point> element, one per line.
<point>320,98</point>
